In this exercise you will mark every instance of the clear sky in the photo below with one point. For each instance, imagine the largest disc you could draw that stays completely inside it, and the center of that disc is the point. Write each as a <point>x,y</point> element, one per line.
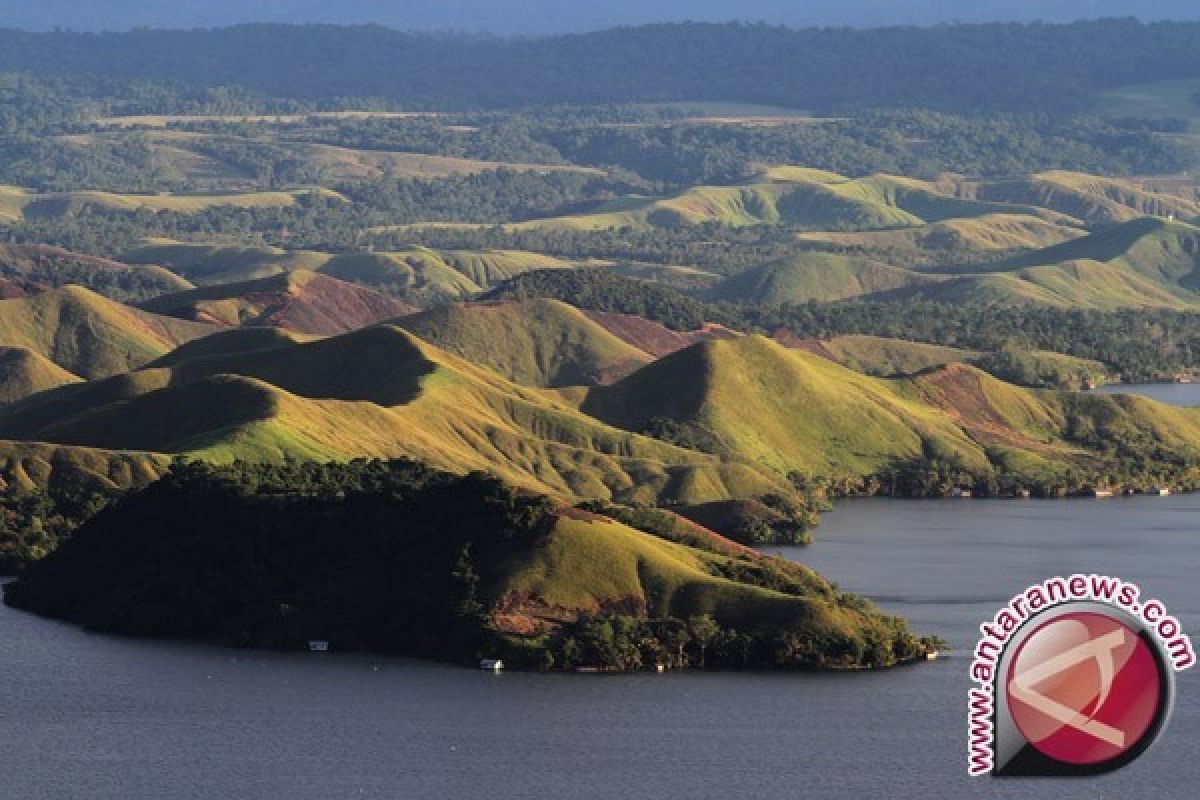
<point>550,16</point>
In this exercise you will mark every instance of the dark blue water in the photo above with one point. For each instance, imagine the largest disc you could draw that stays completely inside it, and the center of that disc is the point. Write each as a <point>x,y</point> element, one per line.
<point>93,718</point>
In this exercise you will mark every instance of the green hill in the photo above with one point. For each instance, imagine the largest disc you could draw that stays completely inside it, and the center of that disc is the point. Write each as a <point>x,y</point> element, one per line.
<point>1151,247</point>
<point>376,392</point>
<point>533,342</point>
<point>1090,198</point>
<point>799,198</point>
<point>88,335</point>
<point>301,301</point>
<point>794,411</point>
<point>23,372</point>
<point>17,204</point>
<point>29,466</point>
<point>1147,262</point>
<point>417,272</point>
<point>54,266</point>
<point>823,277</point>
<point>959,240</point>
<point>876,355</point>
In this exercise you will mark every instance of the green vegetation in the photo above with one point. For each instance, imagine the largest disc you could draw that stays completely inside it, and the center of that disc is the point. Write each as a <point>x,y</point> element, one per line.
<point>394,557</point>
<point>537,342</point>
<point>1045,68</point>
<point>88,335</point>
<point>301,301</point>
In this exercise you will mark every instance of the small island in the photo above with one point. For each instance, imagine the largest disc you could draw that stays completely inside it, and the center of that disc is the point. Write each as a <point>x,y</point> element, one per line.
<point>395,557</point>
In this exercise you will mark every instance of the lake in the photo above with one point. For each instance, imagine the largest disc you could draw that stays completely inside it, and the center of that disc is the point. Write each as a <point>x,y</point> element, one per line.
<point>1179,394</point>
<point>97,717</point>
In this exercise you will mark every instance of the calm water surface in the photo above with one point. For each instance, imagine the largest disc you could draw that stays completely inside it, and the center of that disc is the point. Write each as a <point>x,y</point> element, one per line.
<point>1179,394</point>
<point>87,717</point>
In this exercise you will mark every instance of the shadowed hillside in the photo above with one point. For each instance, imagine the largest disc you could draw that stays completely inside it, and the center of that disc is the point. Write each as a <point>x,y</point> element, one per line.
<point>23,372</point>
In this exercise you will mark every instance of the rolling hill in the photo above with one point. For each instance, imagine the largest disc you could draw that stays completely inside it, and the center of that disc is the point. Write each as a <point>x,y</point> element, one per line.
<point>418,273</point>
<point>823,277</point>
<point>54,267</point>
<point>195,158</point>
<point>534,342</point>
<point>1146,262</point>
<point>89,335</point>
<point>375,392</point>
<point>301,301</point>
<point>17,204</point>
<point>875,355</point>
<point>1090,198</point>
<point>794,411</point>
<point>24,372</point>
<point>803,199</point>
<point>961,240</point>
<point>30,466</point>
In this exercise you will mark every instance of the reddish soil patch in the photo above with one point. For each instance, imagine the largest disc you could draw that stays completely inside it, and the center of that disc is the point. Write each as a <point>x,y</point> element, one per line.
<point>651,337</point>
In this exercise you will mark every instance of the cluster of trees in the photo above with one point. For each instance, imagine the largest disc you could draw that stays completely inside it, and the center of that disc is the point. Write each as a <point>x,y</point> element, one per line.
<point>380,556</point>
<point>993,66</point>
<point>601,290</point>
<point>1137,344</point>
<point>33,523</point>
<point>618,642</point>
<point>909,142</point>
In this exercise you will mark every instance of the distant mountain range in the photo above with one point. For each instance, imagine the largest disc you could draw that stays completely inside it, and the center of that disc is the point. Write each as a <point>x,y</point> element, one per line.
<point>553,16</point>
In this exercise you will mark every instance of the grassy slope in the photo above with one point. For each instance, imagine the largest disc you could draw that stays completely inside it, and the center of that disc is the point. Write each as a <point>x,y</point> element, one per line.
<point>19,204</point>
<point>807,199</point>
<point>823,277</point>
<point>971,237</point>
<point>377,392</point>
<point>593,565</point>
<point>89,335</point>
<point>417,271</point>
<point>1090,198</point>
<point>534,342</point>
<point>792,410</point>
<point>24,372</point>
<point>36,465</point>
<point>1145,262</point>
<point>876,355</point>
<point>188,156</point>
<point>300,300</point>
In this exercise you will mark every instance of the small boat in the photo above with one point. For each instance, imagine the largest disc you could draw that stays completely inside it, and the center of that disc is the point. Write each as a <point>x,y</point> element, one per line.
<point>1102,492</point>
<point>318,646</point>
<point>1161,491</point>
<point>491,664</point>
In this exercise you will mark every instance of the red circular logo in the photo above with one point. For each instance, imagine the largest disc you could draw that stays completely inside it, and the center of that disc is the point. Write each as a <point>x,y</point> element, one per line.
<point>1084,688</point>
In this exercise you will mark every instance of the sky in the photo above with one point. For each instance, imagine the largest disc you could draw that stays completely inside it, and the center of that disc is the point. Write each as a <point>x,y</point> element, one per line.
<point>533,17</point>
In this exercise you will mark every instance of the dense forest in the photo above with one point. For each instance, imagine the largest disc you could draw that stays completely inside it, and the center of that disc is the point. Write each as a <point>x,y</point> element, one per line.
<point>996,66</point>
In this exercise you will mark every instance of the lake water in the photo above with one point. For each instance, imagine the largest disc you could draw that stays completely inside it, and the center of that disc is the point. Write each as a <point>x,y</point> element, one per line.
<point>1179,394</point>
<point>96,717</point>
